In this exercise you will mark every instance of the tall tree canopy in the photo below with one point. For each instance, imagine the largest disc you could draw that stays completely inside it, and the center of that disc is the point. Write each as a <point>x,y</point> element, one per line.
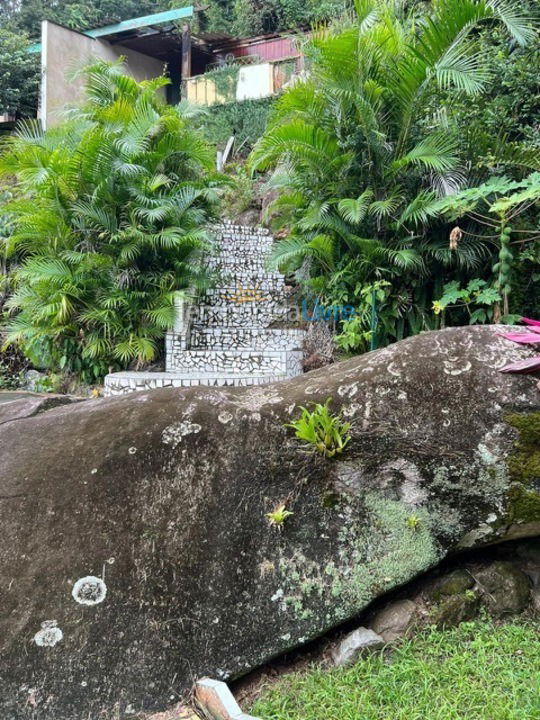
<point>19,75</point>
<point>26,15</point>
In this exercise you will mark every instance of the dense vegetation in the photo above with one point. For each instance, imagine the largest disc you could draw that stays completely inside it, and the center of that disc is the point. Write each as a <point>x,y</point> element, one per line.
<point>475,671</point>
<point>244,18</point>
<point>26,15</point>
<point>245,119</point>
<point>364,150</point>
<point>109,211</point>
<point>407,107</point>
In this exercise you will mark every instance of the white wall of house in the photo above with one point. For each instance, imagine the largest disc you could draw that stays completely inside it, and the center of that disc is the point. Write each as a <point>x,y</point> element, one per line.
<point>65,51</point>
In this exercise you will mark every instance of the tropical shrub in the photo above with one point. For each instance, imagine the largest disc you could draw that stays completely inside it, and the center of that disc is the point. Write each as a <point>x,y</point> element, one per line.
<point>361,158</point>
<point>109,215</point>
<point>508,107</point>
<point>495,204</point>
<point>476,299</point>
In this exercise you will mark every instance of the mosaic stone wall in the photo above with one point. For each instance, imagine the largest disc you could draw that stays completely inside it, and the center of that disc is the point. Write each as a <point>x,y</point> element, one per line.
<point>203,338</point>
<point>228,337</point>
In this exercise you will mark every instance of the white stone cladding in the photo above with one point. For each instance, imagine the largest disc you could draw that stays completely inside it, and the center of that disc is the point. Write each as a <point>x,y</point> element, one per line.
<point>257,338</point>
<point>229,337</point>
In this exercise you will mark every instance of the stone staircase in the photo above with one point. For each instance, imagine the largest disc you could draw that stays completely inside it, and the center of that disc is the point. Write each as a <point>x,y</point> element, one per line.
<point>240,333</point>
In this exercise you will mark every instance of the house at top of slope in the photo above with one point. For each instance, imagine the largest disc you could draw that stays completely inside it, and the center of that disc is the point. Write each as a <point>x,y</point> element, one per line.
<point>204,68</point>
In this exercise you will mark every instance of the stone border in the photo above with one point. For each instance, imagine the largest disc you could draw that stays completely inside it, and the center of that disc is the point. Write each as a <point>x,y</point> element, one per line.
<point>217,702</point>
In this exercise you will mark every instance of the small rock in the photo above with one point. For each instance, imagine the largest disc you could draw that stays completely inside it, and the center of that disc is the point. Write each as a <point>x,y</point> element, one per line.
<point>454,583</point>
<point>530,551</point>
<point>535,599</point>
<point>505,588</point>
<point>33,379</point>
<point>392,622</point>
<point>354,644</point>
<point>529,556</point>
<point>455,609</point>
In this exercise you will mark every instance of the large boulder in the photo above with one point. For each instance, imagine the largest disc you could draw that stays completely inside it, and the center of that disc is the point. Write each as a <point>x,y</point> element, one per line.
<point>136,552</point>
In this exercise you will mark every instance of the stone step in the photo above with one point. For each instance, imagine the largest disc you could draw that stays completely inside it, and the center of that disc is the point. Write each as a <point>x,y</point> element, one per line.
<point>241,294</point>
<point>262,314</point>
<point>241,250</point>
<point>249,281</point>
<point>229,337</point>
<point>256,338</point>
<point>252,362</point>
<point>255,264</point>
<point>246,277</point>
<point>121,383</point>
<point>225,238</point>
<point>228,227</point>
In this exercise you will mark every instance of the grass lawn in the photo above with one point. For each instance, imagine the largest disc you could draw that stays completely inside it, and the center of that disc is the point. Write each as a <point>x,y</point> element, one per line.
<point>477,671</point>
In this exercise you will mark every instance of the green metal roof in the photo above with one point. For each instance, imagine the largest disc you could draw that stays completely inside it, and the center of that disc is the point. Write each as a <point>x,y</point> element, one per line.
<point>133,24</point>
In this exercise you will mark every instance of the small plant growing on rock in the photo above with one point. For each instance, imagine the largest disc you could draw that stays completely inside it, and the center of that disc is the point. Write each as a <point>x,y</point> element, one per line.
<point>413,522</point>
<point>277,517</point>
<point>321,431</point>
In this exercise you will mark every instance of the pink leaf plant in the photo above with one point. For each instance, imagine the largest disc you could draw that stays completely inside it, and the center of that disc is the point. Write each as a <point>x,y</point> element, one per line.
<point>530,337</point>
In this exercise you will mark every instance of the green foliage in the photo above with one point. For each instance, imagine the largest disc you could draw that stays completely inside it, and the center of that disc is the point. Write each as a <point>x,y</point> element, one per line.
<point>108,217</point>
<point>508,109</point>
<point>476,671</point>
<point>502,197</point>
<point>353,335</point>
<point>26,15</point>
<point>12,369</point>
<point>277,517</point>
<point>245,18</point>
<point>239,195</point>
<point>504,200</point>
<point>8,379</point>
<point>246,120</point>
<point>477,298</point>
<point>361,159</point>
<point>413,522</point>
<point>19,78</point>
<point>356,332</point>
<point>224,79</point>
<point>321,431</point>
<point>50,383</point>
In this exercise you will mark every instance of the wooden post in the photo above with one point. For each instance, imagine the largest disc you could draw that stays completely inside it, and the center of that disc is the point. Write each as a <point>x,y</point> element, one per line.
<point>186,51</point>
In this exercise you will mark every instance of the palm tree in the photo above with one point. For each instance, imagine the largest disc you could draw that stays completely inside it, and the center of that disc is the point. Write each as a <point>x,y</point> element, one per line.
<point>360,159</point>
<point>109,215</point>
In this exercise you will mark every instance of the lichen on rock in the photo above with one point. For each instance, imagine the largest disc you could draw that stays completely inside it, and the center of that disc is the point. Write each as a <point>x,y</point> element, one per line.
<point>89,590</point>
<point>49,635</point>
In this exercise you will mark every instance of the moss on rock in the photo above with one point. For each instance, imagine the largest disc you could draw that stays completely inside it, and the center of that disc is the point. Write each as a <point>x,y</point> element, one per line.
<point>524,464</point>
<point>455,583</point>
<point>455,609</point>
<point>523,498</point>
<point>523,505</point>
<point>505,588</point>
